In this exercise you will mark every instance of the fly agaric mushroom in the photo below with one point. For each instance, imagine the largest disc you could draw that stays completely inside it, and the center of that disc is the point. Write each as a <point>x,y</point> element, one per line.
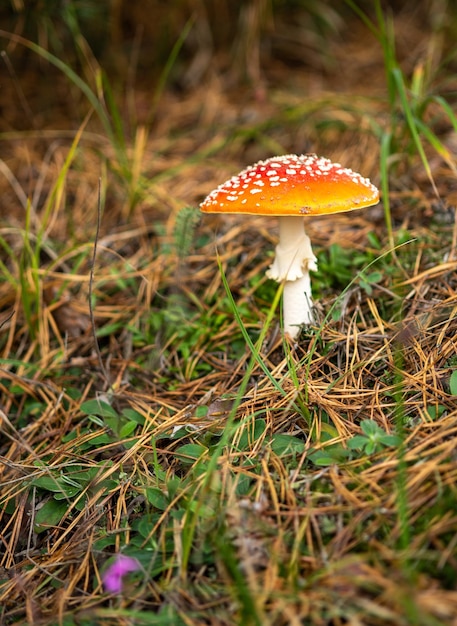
<point>291,187</point>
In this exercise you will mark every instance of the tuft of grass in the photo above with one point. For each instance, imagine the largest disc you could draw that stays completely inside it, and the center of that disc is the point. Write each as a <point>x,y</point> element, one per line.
<point>410,101</point>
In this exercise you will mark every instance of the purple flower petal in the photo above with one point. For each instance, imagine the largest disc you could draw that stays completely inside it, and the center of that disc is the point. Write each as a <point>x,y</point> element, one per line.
<point>112,577</point>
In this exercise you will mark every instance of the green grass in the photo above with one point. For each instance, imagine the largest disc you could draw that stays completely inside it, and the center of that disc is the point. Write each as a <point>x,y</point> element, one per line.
<point>255,480</point>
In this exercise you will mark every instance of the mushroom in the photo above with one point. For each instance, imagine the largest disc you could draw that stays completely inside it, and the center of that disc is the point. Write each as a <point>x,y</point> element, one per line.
<point>291,187</point>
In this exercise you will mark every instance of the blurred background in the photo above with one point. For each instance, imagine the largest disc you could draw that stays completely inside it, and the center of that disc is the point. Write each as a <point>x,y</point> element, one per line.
<point>192,43</point>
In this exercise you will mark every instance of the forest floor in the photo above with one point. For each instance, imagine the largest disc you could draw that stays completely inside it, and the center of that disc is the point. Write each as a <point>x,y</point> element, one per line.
<point>150,405</point>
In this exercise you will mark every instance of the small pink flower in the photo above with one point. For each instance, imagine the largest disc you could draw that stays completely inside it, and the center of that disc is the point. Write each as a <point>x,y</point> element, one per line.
<point>114,573</point>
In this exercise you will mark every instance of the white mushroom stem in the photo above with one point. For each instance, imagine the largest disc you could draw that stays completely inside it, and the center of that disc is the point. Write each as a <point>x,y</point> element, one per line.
<point>294,258</point>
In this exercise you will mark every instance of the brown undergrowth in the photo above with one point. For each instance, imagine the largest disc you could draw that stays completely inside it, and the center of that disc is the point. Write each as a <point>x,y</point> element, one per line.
<point>146,424</point>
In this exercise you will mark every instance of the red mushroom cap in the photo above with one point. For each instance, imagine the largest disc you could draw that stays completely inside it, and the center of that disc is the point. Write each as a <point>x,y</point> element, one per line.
<point>292,185</point>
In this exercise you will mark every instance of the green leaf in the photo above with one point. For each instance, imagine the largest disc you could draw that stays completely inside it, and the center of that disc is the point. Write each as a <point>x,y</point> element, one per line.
<point>98,407</point>
<point>250,435</point>
<point>328,432</point>
<point>329,456</point>
<point>453,383</point>
<point>49,483</point>
<point>127,429</point>
<point>68,492</point>
<point>190,452</point>
<point>104,542</point>
<point>373,277</point>
<point>320,458</point>
<point>173,485</point>
<point>201,411</point>
<point>370,447</point>
<point>243,484</point>
<point>435,411</point>
<point>282,444</point>
<point>133,416</point>
<point>49,515</point>
<point>95,442</point>
<point>371,428</point>
<point>113,423</point>
<point>144,526</point>
<point>357,442</point>
<point>391,440</point>
<point>157,498</point>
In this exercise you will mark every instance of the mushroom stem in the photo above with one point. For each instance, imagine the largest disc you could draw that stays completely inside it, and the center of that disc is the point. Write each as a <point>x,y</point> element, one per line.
<point>294,258</point>
<point>297,305</point>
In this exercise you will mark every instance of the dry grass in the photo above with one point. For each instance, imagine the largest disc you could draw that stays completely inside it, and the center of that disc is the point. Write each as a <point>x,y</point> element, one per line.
<point>238,492</point>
